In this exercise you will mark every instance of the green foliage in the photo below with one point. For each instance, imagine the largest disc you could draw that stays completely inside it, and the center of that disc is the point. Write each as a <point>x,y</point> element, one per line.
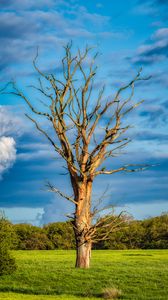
<point>7,234</point>
<point>131,236</point>
<point>61,234</point>
<point>7,263</point>
<point>32,238</point>
<point>151,233</point>
<point>156,232</point>
<point>38,241</point>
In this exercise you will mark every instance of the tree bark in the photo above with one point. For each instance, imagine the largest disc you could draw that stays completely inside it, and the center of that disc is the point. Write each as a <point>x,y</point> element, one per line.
<point>82,225</point>
<point>83,255</point>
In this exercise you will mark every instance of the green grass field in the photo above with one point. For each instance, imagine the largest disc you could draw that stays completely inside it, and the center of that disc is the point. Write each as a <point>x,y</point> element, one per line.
<point>49,275</point>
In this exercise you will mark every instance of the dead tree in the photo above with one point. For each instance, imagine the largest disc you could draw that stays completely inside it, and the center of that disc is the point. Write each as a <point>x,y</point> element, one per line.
<point>75,119</point>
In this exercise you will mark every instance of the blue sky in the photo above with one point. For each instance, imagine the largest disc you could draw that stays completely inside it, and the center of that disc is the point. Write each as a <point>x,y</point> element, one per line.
<point>129,35</point>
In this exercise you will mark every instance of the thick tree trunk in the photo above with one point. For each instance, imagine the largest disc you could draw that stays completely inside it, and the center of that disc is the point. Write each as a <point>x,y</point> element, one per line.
<point>83,254</point>
<point>82,225</point>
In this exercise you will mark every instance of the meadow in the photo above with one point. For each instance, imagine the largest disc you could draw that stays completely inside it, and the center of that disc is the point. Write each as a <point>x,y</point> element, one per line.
<point>49,275</point>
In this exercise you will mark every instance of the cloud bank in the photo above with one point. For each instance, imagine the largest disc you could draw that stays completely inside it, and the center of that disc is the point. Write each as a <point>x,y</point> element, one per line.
<point>7,153</point>
<point>11,127</point>
<point>24,25</point>
<point>56,210</point>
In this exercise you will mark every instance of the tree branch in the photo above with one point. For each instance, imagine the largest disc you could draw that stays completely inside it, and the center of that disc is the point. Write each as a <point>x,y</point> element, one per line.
<point>54,190</point>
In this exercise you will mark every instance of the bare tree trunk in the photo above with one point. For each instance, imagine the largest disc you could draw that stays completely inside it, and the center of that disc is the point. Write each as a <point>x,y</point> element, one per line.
<point>83,254</point>
<point>82,225</point>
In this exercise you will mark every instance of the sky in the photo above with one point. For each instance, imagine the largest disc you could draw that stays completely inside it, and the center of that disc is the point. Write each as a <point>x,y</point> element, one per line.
<point>128,35</point>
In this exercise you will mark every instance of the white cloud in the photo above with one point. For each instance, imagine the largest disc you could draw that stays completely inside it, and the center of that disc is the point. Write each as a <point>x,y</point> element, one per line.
<point>56,210</point>
<point>155,50</point>
<point>161,33</point>
<point>10,123</point>
<point>7,153</point>
<point>11,127</point>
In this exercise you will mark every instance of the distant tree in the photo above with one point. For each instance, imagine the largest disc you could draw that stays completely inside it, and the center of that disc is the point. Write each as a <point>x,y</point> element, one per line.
<point>24,233</point>
<point>151,233</point>
<point>156,232</point>
<point>32,238</point>
<point>7,263</point>
<point>61,234</point>
<point>38,241</point>
<point>130,236</point>
<point>75,120</point>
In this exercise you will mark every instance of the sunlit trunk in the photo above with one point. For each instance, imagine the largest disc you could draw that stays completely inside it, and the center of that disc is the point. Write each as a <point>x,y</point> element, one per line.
<point>83,254</point>
<point>82,225</point>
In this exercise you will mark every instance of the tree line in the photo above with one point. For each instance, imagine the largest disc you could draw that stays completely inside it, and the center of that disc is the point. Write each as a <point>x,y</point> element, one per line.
<point>151,233</point>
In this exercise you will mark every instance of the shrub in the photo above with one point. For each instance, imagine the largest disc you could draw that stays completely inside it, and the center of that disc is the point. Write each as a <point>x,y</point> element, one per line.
<point>8,236</point>
<point>7,263</point>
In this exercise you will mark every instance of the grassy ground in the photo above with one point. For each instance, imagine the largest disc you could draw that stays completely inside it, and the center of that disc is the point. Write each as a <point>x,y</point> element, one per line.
<point>50,275</point>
